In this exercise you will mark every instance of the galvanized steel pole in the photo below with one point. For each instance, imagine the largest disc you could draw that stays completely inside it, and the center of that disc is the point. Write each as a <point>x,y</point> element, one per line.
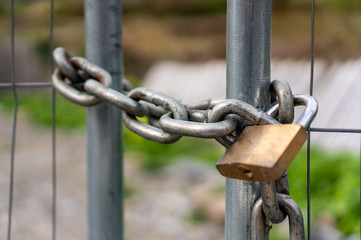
<point>104,48</point>
<point>248,79</point>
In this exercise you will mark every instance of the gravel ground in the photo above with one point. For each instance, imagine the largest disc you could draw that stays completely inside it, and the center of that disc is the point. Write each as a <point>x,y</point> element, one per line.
<point>182,201</point>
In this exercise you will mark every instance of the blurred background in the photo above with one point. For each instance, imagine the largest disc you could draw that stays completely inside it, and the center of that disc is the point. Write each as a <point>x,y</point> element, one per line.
<point>178,47</point>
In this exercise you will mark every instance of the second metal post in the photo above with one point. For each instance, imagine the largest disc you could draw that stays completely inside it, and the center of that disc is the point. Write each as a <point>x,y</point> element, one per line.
<point>104,48</point>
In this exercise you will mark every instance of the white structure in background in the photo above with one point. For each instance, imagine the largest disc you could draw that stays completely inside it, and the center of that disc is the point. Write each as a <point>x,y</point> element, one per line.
<point>337,88</point>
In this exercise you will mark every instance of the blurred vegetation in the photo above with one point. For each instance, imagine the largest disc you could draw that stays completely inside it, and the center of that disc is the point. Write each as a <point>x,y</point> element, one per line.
<point>188,30</point>
<point>129,190</point>
<point>197,216</point>
<point>335,177</point>
<point>37,106</point>
<point>335,187</point>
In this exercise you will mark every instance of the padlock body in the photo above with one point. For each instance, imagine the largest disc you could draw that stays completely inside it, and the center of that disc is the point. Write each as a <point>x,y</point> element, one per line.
<point>262,152</point>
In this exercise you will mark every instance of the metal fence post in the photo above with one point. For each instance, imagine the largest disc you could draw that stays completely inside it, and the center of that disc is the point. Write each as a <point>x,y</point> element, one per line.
<point>248,79</point>
<point>103,47</point>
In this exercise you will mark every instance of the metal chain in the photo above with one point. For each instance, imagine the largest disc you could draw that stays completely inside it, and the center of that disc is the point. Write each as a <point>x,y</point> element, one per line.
<point>169,119</point>
<point>87,84</point>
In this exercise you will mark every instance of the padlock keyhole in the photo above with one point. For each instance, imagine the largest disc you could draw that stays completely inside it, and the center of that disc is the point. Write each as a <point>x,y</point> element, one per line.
<point>245,171</point>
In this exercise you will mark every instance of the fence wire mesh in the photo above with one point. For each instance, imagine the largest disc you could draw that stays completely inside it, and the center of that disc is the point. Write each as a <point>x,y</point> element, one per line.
<point>14,85</point>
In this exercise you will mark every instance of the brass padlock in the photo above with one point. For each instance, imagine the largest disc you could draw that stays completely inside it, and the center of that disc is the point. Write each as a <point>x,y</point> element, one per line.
<point>263,152</point>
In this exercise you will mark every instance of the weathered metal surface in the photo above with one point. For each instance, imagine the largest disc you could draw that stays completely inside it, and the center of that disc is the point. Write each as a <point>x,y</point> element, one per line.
<point>282,185</point>
<point>308,114</point>
<point>262,152</point>
<point>62,58</point>
<point>116,98</point>
<point>242,109</point>
<point>248,79</point>
<point>295,219</point>
<point>281,91</point>
<point>270,204</point>
<point>148,131</point>
<point>103,47</point>
<point>258,222</point>
<point>198,129</point>
<point>75,95</point>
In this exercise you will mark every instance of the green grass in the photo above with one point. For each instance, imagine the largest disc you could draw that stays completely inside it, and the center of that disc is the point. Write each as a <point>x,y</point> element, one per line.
<point>335,188</point>
<point>129,191</point>
<point>37,106</point>
<point>155,156</point>
<point>197,216</point>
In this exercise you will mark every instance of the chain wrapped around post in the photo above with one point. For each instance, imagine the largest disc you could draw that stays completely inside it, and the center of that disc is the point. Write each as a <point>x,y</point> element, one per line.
<point>242,109</point>
<point>169,119</point>
<point>87,84</point>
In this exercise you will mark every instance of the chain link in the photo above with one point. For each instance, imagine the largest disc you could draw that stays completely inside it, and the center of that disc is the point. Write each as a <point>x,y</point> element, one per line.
<point>116,98</point>
<point>270,204</point>
<point>282,185</point>
<point>62,59</point>
<point>281,92</point>
<point>74,94</point>
<point>148,131</point>
<point>260,228</point>
<point>198,129</point>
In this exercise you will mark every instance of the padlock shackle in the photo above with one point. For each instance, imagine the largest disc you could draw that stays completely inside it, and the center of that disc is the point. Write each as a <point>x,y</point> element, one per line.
<point>311,109</point>
<point>309,113</point>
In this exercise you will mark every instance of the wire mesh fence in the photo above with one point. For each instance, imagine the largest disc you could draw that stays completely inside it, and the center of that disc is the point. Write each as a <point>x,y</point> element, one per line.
<point>16,85</point>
